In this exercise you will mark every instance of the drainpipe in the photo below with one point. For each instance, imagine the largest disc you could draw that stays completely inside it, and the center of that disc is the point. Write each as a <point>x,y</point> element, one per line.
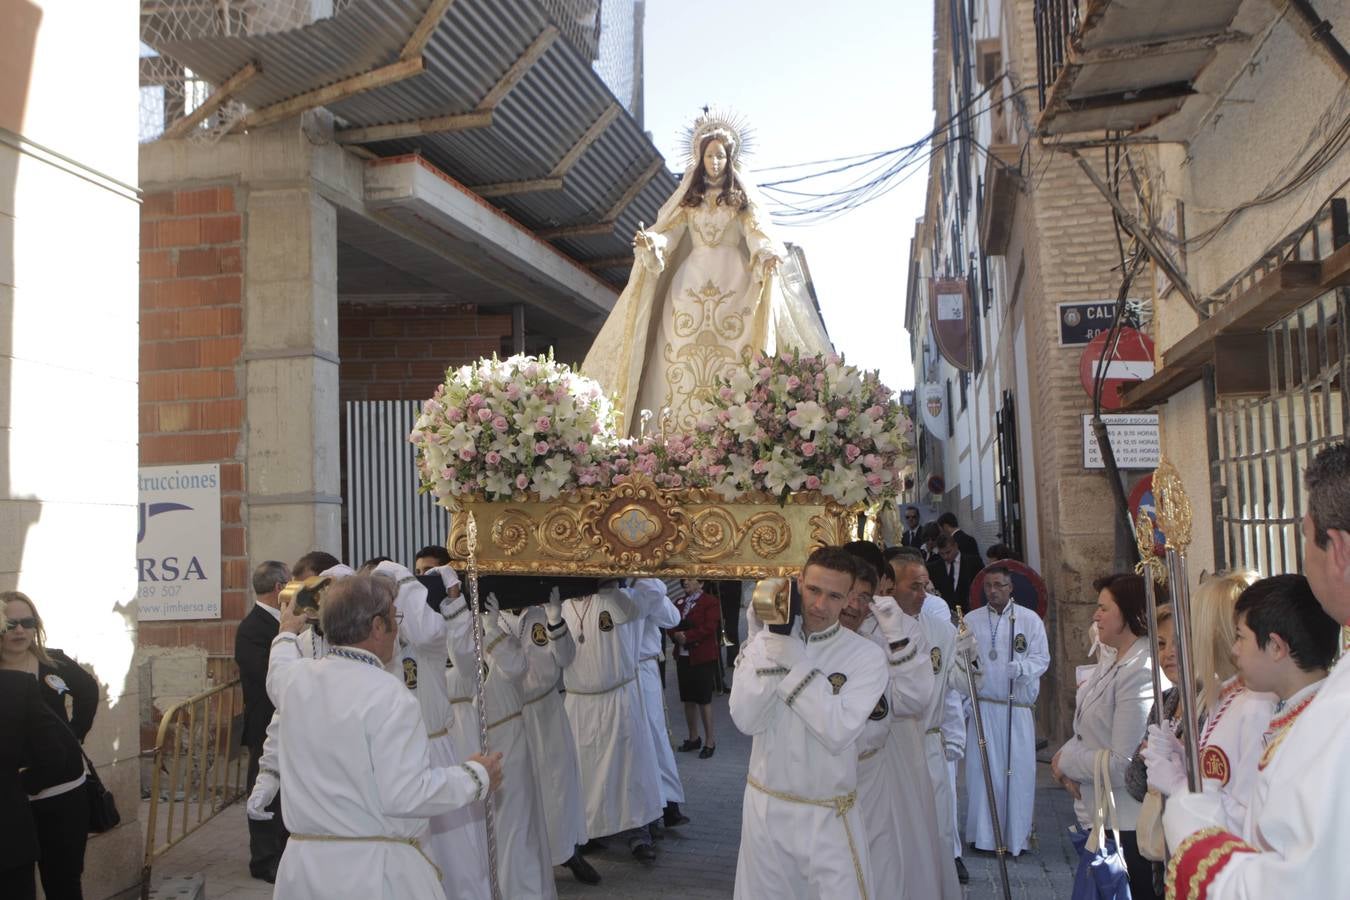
<point>1319,29</point>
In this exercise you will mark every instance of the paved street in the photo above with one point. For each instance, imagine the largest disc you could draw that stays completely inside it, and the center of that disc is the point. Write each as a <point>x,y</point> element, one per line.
<point>696,861</point>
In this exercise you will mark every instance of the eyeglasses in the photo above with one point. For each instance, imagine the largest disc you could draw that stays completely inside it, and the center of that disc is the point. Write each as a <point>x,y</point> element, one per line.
<point>28,623</point>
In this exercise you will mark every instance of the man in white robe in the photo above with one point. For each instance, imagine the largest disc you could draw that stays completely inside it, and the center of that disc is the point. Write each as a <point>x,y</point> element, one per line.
<point>549,650</point>
<point>360,785</point>
<point>893,789</point>
<point>804,692</point>
<point>657,613</point>
<point>1296,845</point>
<point>620,784</point>
<point>524,864</point>
<point>1012,646</point>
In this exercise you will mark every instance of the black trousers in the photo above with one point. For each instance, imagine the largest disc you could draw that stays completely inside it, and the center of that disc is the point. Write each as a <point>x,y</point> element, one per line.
<point>1140,869</point>
<point>17,883</point>
<point>63,830</point>
<point>266,840</point>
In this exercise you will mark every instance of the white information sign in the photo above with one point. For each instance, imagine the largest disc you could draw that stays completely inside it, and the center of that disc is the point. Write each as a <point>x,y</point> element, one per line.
<point>1134,440</point>
<point>178,544</point>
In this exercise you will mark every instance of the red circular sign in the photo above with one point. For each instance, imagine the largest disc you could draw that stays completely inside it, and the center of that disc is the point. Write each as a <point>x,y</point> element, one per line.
<point>1141,497</point>
<point>1029,588</point>
<point>1131,363</point>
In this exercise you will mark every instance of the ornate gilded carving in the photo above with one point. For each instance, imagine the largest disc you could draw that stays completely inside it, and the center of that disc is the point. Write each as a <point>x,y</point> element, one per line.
<point>640,529</point>
<point>1173,506</point>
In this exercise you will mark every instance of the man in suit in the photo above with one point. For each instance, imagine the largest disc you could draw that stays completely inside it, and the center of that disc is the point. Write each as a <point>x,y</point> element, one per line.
<point>37,751</point>
<point>964,542</point>
<point>952,572</point>
<point>912,533</point>
<point>252,643</point>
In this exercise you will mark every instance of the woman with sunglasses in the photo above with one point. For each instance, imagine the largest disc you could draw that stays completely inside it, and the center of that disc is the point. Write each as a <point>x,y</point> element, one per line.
<point>60,811</point>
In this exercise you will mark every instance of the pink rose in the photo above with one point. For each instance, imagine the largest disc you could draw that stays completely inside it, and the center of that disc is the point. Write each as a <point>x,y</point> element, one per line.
<point>851,452</point>
<point>542,423</point>
<point>484,414</point>
<point>522,481</point>
<point>675,480</point>
<point>580,448</point>
<point>467,454</point>
<point>808,448</point>
<point>455,414</point>
<point>812,483</point>
<point>841,413</point>
<point>540,448</point>
<point>726,393</point>
<point>493,457</point>
<point>793,382</point>
<point>475,400</point>
<point>512,391</point>
<point>760,467</point>
<point>874,480</point>
<point>872,461</point>
<point>499,424</point>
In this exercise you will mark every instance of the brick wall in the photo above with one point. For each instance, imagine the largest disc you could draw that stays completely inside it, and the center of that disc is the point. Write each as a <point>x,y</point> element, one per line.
<point>392,352</point>
<point>191,391</point>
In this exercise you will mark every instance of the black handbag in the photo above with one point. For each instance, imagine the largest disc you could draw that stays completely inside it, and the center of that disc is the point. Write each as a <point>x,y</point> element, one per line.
<point>103,814</point>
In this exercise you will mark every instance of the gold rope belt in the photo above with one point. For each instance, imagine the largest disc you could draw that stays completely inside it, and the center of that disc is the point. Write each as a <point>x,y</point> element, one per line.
<point>368,839</point>
<point>605,691</point>
<point>841,805</point>
<point>656,658</point>
<point>1005,703</point>
<point>491,725</point>
<point>540,697</point>
<point>868,754</point>
<point>437,734</point>
<point>933,731</point>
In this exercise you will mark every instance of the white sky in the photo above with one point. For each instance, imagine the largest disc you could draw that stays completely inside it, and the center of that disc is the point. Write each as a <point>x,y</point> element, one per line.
<point>816,80</point>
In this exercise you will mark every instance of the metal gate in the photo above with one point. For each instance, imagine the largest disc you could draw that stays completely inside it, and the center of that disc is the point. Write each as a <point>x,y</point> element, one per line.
<point>1265,442</point>
<point>1009,477</point>
<point>386,516</point>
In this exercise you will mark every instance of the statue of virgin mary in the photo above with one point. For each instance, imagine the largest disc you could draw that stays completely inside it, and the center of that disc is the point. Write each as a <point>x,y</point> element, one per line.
<point>705,294</point>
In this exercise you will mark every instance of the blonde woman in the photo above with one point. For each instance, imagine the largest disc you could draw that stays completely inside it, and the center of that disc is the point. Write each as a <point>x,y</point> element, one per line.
<point>60,810</point>
<point>1232,718</point>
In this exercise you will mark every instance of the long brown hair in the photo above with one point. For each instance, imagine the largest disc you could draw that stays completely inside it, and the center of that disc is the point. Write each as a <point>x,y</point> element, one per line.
<point>732,194</point>
<point>39,648</point>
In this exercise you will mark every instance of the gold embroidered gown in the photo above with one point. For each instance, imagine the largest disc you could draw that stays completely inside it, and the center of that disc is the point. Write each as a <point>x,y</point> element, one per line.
<point>698,304</point>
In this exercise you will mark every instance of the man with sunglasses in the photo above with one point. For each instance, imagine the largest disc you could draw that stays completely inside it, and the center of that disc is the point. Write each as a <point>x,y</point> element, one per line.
<point>912,535</point>
<point>360,784</point>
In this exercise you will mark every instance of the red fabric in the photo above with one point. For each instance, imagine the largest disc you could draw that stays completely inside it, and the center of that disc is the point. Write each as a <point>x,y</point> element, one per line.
<point>1194,852</point>
<point>703,613</point>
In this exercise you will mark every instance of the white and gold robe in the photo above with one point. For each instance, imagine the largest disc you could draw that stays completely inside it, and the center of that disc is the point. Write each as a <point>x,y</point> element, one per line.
<point>802,833</point>
<point>657,613</point>
<point>360,784</point>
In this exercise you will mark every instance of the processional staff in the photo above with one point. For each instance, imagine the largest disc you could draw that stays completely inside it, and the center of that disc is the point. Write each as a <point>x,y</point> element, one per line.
<point>1000,849</point>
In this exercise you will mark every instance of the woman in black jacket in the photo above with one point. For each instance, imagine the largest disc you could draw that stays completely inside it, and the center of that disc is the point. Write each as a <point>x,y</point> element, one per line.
<point>60,810</point>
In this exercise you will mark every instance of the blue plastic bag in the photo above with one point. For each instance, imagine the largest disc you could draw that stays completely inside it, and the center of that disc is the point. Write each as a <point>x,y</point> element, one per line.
<point>1101,875</point>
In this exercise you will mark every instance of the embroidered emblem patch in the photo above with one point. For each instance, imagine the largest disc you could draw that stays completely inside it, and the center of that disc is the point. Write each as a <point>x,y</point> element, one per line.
<point>936,656</point>
<point>1214,764</point>
<point>410,673</point>
<point>837,681</point>
<point>1020,644</point>
<point>606,621</point>
<point>880,710</point>
<point>538,636</point>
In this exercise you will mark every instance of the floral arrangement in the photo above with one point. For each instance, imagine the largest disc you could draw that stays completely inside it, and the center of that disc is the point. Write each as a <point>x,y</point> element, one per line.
<point>789,423</point>
<point>499,428</point>
<point>503,429</point>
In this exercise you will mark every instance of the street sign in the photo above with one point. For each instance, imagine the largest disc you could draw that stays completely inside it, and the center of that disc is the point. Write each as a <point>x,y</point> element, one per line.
<point>1131,363</point>
<point>1134,441</point>
<point>1029,588</point>
<point>1079,323</point>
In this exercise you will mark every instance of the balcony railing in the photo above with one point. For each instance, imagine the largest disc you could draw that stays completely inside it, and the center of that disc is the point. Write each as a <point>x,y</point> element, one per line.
<point>1056,25</point>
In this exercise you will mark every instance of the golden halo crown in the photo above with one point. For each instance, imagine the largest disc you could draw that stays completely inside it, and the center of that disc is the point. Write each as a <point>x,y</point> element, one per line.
<point>732,128</point>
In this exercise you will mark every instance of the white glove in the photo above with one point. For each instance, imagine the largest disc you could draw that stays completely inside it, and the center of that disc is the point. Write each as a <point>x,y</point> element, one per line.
<point>783,649</point>
<point>952,753</point>
<point>448,577</point>
<point>890,618</point>
<point>264,792</point>
<point>1186,813</point>
<point>553,608</point>
<point>966,647</point>
<point>396,571</point>
<point>1163,756</point>
<point>491,608</point>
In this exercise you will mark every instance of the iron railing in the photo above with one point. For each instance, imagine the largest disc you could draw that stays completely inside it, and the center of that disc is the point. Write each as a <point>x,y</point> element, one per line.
<point>197,748</point>
<point>1056,27</point>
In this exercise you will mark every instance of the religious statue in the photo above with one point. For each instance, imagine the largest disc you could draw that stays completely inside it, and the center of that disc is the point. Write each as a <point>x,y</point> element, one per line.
<point>705,294</point>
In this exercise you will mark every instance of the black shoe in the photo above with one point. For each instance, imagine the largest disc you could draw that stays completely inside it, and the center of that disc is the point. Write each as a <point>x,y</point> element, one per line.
<point>690,745</point>
<point>644,852</point>
<point>961,874</point>
<point>656,830</point>
<point>673,818</point>
<point>263,873</point>
<point>707,752</point>
<point>582,870</point>
<point>594,845</point>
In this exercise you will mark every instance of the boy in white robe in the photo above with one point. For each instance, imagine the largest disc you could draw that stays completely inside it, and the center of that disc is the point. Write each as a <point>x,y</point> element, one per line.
<point>804,692</point>
<point>619,782</point>
<point>355,758</point>
<point>549,650</point>
<point>658,612</point>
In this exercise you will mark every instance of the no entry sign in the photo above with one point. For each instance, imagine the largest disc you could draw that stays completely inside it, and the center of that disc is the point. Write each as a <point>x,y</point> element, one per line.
<point>1131,363</point>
